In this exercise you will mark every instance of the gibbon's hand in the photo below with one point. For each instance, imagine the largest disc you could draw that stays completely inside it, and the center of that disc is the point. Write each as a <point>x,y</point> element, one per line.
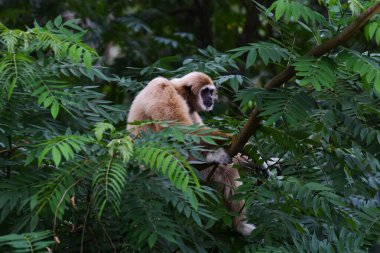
<point>218,156</point>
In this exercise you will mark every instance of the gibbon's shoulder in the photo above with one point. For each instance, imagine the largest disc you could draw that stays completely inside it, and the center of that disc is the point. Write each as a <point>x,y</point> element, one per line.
<point>159,82</point>
<point>157,86</point>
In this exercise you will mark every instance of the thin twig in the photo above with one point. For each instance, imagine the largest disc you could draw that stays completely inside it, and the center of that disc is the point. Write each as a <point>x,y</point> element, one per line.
<point>9,155</point>
<point>85,223</point>
<point>59,203</point>
<point>108,236</point>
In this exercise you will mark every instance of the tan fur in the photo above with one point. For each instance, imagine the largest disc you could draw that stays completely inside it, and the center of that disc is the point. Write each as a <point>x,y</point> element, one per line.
<point>227,179</point>
<point>178,99</point>
<point>168,100</point>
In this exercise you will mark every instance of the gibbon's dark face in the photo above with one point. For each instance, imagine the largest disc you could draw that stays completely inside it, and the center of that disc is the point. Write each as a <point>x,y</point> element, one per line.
<point>207,95</point>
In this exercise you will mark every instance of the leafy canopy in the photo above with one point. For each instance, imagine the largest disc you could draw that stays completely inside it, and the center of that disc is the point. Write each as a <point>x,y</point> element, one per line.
<point>73,180</point>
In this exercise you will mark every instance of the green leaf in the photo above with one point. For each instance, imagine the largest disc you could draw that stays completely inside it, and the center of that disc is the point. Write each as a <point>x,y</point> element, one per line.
<point>173,168</point>
<point>58,21</point>
<point>165,164</point>
<point>11,88</point>
<point>251,58</point>
<point>280,9</point>
<point>72,53</point>
<point>264,55</point>
<point>185,183</point>
<point>48,101</point>
<point>64,151</point>
<point>38,91</point>
<point>152,239</point>
<point>54,109</point>
<point>377,83</point>
<point>208,140</point>
<point>196,218</point>
<point>42,97</point>
<point>372,29</point>
<point>56,156</point>
<point>42,155</point>
<point>64,49</point>
<point>100,128</point>
<point>78,55</point>
<point>87,58</point>
<point>377,36</point>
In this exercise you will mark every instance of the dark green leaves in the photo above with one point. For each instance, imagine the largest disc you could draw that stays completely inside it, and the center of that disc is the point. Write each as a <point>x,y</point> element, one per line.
<point>294,11</point>
<point>366,67</point>
<point>108,185</point>
<point>173,167</point>
<point>28,242</point>
<point>268,52</point>
<point>251,58</point>
<point>100,128</point>
<point>318,73</point>
<point>291,105</point>
<point>65,146</point>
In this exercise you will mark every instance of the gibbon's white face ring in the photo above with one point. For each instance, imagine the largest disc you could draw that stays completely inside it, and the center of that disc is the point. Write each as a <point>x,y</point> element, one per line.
<point>200,99</point>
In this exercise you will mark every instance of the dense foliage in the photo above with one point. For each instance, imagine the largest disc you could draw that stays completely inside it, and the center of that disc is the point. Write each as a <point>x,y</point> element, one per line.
<point>73,180</point>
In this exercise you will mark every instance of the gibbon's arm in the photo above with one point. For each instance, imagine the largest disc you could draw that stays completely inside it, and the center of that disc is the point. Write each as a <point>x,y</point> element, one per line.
<point>219,155</point>
<point>196,118</point>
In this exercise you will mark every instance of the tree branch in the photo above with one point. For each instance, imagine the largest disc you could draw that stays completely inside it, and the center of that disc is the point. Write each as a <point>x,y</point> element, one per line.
<point>253,121</point>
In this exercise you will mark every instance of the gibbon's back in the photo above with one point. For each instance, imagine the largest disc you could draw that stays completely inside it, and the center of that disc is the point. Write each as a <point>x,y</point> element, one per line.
<point>154,102</point>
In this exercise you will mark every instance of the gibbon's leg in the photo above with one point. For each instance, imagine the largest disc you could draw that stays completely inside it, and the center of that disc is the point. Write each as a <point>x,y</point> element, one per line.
<point>136,113</point>
<point>218,156</point>
<point>226,177</point>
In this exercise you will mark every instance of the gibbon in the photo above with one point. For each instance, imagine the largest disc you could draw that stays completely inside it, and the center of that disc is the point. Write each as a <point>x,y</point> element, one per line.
<point>180,99</point>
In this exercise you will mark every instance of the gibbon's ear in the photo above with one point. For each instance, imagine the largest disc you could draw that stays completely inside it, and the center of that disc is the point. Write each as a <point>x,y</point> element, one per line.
<point>190,88</point>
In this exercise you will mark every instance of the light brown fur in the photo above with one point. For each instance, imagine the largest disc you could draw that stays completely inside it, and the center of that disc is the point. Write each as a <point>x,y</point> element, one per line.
<point>164,100</point>
<point>178,99</point>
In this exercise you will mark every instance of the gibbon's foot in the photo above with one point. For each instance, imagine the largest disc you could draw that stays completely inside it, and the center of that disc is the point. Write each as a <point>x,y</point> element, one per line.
<point>272,161</point>
<point>218,156</point>
<point>245,229</point>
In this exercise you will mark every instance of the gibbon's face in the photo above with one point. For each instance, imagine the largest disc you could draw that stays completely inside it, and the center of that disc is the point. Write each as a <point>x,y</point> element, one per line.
<point>207,97</point>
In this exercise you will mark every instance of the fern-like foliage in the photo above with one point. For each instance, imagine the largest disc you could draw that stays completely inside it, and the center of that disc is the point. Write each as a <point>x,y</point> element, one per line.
<point>175,168</point>
<point>60,146</point>
<point>290,104</point>
<point>268,52</point>
<point>109,184</point>
<point>294,11</point>
<point>27,242</point>
<point>318,73</point>
<point>110,179</point>
<point>363,65</point>
<point>54,36</point>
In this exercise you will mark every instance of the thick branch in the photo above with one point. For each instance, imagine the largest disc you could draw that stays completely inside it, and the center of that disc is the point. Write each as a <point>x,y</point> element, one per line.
<point>253,121</point>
